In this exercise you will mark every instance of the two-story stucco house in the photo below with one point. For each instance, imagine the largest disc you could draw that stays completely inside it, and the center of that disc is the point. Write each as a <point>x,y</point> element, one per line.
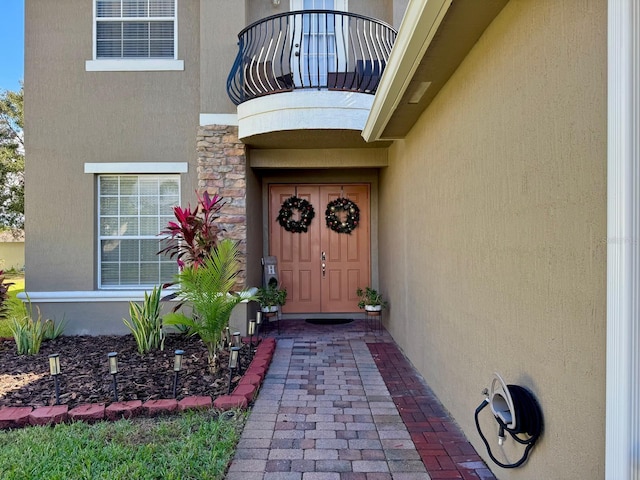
<point>490,147</point>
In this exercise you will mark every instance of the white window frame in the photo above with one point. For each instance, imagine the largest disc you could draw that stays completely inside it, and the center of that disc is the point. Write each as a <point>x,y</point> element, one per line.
<point>135,64</point>
<point>108,171</point>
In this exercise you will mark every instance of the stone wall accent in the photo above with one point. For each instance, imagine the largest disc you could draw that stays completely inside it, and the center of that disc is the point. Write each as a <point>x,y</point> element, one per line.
<point>222,168</point>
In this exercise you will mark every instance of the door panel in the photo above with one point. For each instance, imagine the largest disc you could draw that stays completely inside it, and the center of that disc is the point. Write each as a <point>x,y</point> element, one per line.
<point>297,253</point>
<point>347,256</point>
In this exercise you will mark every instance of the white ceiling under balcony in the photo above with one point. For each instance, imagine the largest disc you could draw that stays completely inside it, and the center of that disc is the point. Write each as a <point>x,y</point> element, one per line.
<point>307,118</point>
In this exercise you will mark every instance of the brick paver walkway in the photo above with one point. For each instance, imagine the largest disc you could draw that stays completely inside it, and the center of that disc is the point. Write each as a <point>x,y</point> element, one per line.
<point>341,403</point>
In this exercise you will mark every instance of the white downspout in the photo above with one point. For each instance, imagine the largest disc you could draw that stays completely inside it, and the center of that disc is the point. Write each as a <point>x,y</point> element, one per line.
<point>622,446</point>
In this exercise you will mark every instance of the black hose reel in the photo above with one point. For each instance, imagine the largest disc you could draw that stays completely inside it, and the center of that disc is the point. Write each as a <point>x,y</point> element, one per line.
<point>517,412</point>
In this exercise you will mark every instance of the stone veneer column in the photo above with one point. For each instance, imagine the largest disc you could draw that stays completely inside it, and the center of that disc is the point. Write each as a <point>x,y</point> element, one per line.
<point>222,169</point>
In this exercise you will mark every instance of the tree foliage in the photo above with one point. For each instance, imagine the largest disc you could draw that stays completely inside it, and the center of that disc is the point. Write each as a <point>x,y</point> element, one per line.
<point>12,159</point>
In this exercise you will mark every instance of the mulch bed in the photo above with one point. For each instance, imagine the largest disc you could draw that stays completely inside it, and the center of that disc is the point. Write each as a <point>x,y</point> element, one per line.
<point>85,378</point>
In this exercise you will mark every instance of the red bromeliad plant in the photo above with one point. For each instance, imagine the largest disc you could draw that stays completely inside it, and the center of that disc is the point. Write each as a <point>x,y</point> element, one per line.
<point>194,235</point>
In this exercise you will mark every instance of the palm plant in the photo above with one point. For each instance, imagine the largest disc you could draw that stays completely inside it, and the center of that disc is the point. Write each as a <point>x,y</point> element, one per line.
<point>207,288</point>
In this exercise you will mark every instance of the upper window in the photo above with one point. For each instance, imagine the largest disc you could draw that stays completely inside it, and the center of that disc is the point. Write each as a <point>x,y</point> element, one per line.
<point>135,35</point>
<point>135,28</point>
<point>132,209</point>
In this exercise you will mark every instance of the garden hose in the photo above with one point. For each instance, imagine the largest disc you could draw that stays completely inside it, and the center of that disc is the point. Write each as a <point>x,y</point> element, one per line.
<point>528,420</point>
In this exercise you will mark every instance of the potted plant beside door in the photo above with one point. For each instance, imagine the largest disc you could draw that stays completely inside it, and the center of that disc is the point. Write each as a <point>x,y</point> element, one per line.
<point>370,300</point>
<point>271,298</point>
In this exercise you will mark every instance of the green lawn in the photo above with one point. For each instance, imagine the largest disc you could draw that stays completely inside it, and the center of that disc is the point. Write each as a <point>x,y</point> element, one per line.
<point>192,445</point>
<point>187,446</point>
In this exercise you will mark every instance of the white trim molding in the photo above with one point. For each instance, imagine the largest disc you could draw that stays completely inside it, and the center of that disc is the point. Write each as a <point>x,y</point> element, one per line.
<point>93,296</point>
<point>419,25</point>
<point>622,445</point>
<point>137,65</point>
<point>218,119</point>
<point>303,109</point>
<point>136,167</point>
<point>82,296</point>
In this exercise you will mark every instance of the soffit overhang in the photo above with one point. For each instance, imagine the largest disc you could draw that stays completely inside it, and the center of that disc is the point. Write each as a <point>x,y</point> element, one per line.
<point>434,38</point>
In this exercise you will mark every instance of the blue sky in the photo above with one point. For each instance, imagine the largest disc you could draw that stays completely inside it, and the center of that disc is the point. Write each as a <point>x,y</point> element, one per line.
<point>11,44</point>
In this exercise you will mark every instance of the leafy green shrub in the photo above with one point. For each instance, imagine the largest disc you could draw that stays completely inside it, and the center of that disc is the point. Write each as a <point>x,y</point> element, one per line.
<point>370,296</point>
<point>53,330</point>
<point>272,296</point>
<point>31,330</point>
<point>146,322</point>
<point>28,334</point>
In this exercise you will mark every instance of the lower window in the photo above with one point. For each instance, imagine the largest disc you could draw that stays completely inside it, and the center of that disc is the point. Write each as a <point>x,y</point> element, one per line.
<point>132,209</point>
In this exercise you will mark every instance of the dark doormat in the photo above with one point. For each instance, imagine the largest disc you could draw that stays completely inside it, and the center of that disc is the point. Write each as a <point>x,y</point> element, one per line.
<point>329,321</point>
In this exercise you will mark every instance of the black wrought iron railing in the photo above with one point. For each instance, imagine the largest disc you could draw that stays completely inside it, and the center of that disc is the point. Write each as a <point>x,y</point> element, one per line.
<point>310,49</point>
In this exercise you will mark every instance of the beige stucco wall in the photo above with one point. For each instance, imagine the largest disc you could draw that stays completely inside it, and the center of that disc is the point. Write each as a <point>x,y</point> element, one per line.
<point>380,9</point>
<point>103,117</point>
<point>72,117</point>
<point>220,23</point>
<point>499,191</point>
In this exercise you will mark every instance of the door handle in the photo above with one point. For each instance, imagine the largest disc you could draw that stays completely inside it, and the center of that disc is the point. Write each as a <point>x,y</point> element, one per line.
<point>324,265</point>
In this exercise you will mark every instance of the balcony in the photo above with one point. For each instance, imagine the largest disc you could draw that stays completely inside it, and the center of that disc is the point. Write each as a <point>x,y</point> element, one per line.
<point>324,66</point>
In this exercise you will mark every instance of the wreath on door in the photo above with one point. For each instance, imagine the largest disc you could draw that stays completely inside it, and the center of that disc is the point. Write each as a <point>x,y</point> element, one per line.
<point>333,215</point>
<point>285,215</point>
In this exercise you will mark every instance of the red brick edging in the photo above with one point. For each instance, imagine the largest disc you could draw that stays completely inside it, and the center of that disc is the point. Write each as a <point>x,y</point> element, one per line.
<point>445,451</point>
<point>245,391</point>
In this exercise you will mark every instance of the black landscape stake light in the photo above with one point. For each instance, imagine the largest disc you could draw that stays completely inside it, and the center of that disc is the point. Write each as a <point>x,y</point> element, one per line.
<point>234,363</point>
<point>113,370</point>
<point>177,366</point>
<point>258,325</point>
<point>252,330</point>
<point>54,370</point>
<point>237,343</point>
<point>227,336</point>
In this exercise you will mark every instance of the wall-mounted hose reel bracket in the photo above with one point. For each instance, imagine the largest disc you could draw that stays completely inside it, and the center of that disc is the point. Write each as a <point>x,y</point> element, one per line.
<point>517,413</point>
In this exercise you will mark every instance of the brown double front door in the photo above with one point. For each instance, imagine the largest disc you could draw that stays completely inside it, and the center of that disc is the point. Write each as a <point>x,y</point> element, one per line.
<point>321,269</point>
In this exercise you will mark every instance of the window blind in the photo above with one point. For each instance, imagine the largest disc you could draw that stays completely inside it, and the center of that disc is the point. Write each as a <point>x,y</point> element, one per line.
<point>135,28</point>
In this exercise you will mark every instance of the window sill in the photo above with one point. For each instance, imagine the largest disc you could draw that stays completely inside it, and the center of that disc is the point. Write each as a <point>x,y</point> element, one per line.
<point>88,296</point>
<point>135,65</point>
<point>93,296</point>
